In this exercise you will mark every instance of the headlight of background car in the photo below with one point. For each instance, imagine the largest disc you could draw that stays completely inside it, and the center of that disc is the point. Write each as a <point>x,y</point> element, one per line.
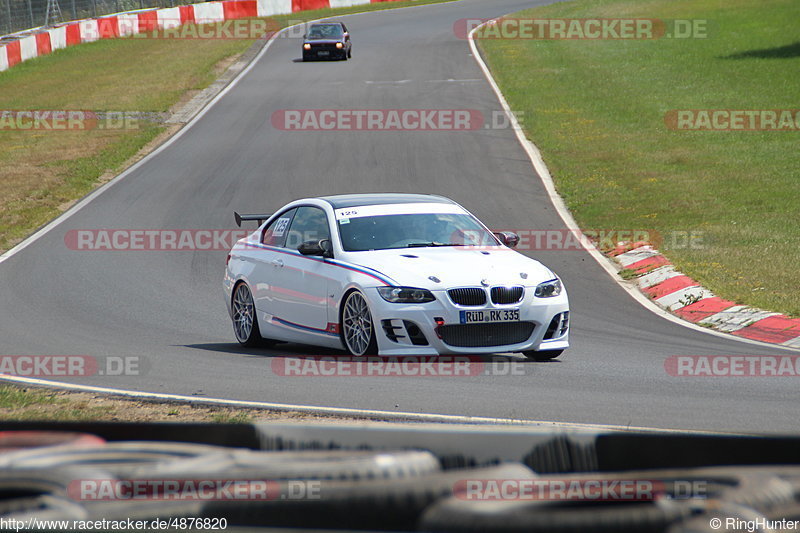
<point>548,289</point>
<point>405,295</point>
<point>307,46</point>
<point>340,45</point>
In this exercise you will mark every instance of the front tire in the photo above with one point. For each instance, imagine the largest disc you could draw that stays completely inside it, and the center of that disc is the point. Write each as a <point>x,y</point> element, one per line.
<point>544,355</point>
<point>357,327</point>
<point>245,323</point>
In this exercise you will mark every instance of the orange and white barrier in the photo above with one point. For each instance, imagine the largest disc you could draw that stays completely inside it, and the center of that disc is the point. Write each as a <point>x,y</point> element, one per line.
<point>43,41</point>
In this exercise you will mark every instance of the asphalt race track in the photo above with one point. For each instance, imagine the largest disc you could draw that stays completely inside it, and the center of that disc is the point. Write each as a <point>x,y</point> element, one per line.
<point>168,308</point>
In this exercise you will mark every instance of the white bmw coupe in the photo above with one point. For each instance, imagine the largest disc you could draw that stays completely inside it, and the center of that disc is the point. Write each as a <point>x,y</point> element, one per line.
<point>391,274</point>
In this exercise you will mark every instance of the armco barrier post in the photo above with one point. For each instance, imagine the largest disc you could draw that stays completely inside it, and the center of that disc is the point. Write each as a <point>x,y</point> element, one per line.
<point>8,11</point>
<point>30,14</point>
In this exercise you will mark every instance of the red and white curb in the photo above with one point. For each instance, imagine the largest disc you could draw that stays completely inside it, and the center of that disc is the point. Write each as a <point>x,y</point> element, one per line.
<point>686,298</point>
<point>42,41</point>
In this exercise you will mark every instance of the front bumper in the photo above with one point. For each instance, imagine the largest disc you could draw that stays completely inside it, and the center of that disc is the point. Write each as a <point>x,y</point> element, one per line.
<point>412,329</point>
<point>324,51</point>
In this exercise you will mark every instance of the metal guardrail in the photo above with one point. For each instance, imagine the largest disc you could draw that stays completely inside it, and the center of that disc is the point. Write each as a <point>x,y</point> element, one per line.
<point>19,15</point>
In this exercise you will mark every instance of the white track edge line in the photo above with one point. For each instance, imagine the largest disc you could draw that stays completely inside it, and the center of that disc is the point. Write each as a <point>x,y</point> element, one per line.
<point>349,412</point>
<point>541,169</point>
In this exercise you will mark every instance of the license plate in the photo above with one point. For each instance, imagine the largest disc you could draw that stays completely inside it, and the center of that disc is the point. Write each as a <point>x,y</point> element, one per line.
<point>323,53</point>
<point>489,315</point>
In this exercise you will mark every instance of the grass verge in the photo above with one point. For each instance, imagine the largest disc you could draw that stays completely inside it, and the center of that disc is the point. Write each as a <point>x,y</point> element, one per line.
<point>42,172</point>
<point>34,404</point>
<point>596,109</point>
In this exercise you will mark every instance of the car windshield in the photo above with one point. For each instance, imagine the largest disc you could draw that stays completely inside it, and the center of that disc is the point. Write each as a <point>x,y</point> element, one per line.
<point>325,31</point>
<point>413,230</point>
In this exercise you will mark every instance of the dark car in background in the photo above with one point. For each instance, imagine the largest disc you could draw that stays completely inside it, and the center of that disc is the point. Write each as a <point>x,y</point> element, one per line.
<point>327,40</point>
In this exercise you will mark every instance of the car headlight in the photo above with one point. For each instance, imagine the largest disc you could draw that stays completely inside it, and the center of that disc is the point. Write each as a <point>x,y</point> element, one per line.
<point>306,46</point>
<point>406,295</point>
<point>339,45</point>
<point>548,289</point>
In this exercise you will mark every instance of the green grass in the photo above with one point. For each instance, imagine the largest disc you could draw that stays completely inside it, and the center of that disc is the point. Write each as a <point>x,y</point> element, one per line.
<point>14,398</point>
<point>596,110</point>
<point>23,404</point>
<point>41,173</point>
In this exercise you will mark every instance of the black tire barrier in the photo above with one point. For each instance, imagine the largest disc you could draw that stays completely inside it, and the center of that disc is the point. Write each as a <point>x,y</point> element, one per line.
<point>562,454</point>
<point>148,511</point>
<point>455,515</point>
<point>42,493</point>
<point>42,508</point>
<point>682,495</point>
<point>377,505</point>
<point>233,435</point>
<point>117,458</point>
<point>343,465</point>
<point>407,490</point>
<point>720,513</point>
<point>750,486</point>
<point>11,441</point>
<point>27,483</point>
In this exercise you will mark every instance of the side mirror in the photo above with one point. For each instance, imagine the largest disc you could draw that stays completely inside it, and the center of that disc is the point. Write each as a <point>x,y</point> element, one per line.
<point>305,35</point>
<point>509,238</point>
<point>321,248</point>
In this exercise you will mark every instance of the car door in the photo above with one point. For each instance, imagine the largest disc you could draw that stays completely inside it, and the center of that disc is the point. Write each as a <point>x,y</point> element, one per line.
<point>268,261</point>
<point>346,37</point>
<point>301,285</point>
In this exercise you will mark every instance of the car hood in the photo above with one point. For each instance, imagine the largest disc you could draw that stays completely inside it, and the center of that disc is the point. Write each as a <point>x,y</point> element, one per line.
<point>453,266</point>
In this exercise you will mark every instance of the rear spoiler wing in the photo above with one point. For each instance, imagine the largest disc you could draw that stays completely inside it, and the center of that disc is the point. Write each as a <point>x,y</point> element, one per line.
<point>239,218</point>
